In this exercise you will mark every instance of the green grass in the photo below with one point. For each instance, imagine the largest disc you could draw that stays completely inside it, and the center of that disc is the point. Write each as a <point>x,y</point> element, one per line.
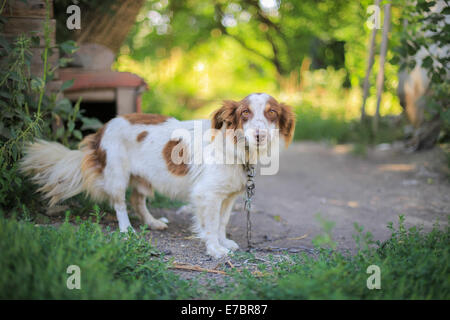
<point>34,260</point>
<point>81,206</point>
<point>160,201</point>
<point>413,265</point>
<point>313,125</point>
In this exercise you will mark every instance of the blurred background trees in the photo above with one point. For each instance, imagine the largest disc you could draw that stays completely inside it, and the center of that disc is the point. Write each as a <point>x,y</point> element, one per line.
<point>424,58</point>
<point>312,54</point>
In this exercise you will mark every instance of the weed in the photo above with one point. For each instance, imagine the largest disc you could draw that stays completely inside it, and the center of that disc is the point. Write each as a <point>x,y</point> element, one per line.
<point>34,261</point>
<point>413,265</point>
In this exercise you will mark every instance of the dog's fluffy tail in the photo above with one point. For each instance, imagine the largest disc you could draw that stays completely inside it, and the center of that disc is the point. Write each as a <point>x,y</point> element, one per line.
<point>55,168</point>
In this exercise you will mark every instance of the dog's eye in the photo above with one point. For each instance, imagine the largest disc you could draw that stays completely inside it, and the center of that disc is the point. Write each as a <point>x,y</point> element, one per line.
<point>245,113</point>
<point>272,112</point>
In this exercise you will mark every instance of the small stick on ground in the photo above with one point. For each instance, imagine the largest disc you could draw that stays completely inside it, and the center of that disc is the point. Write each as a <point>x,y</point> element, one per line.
<point>189,267</point>
<point>299,238</point>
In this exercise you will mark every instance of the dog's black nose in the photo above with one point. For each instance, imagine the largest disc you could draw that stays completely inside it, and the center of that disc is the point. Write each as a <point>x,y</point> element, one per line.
<point>260,136</point>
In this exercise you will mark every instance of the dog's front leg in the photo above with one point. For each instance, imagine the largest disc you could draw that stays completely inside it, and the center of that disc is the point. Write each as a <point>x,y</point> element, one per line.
<point>122,216</point>
<point>208,216</point>
<point>225,213</point>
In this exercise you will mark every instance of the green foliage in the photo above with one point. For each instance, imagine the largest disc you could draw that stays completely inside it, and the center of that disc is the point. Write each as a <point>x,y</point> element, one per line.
<point>281,34</point>
<point>160,201</point>
<point>193,54</point>
<point>413,265</point>
<point>34,261</point>
<point>325,239</point>
<point>314,124</point>
<point>425,31</point>
<point>29,111</point>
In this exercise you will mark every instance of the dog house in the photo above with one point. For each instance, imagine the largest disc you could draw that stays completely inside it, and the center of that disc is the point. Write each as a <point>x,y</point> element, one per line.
<point>105,93</point>
<point>122,89</point>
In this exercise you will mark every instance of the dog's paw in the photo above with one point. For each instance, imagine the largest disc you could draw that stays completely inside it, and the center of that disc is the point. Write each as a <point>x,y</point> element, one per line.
<point>217,251</point>
<point>157,225</point>
<point>229,244</point>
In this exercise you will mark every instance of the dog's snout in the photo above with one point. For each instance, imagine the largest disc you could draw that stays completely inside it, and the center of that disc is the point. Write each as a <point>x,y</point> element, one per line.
<point>260,135</point>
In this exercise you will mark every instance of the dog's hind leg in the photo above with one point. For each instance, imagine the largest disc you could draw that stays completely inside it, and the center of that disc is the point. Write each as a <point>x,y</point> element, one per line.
<point>115,181</point>
<point>141,190</point>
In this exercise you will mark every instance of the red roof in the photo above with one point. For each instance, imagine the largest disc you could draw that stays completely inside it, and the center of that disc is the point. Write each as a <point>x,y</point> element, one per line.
<point>99,79</point>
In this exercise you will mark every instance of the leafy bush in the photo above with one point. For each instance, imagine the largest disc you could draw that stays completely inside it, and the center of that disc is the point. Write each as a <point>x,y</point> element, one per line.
<point>29,110</point>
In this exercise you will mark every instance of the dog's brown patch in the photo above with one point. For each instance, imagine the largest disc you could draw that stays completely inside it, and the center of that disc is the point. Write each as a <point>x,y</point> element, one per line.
<point>176,163</point>
<point>145,118</point>
<point>286,123</point>
<point>138,180</point>
<point>284,116</point>
<point>232,114</point>
<point>141,187</point>
<point>95,157</point>
<point>273,110</point>
<point>141,136</point>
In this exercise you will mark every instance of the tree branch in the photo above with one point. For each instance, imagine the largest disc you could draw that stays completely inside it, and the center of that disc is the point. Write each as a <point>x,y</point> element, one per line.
<point>264,19</point>
<point>275,61</point>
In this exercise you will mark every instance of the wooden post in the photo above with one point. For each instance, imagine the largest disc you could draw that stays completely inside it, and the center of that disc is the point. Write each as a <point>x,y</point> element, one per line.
<point>126,98</point>
<point>369,68</point>
<point>29,18</point>
<point>380,76</point>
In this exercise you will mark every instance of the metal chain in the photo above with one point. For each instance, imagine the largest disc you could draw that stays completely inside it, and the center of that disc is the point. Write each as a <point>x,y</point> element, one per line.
<point>250,191</point>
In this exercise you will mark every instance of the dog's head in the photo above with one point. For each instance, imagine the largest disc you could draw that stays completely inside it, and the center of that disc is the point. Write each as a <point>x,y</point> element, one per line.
<point>256,116</point>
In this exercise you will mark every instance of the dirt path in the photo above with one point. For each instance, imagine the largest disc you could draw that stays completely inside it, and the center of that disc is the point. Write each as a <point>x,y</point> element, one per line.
<point>344,188</point>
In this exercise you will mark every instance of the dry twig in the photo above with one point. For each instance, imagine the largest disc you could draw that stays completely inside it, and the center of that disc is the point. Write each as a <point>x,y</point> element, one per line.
<point>189,267</point>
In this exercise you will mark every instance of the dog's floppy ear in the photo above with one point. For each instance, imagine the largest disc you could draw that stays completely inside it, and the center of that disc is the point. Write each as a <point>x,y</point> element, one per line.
<point>287,123</point>
<point>225,115</point>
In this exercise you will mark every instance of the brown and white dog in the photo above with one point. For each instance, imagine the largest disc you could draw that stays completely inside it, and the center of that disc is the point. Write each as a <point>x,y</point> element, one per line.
<point>153,152</point>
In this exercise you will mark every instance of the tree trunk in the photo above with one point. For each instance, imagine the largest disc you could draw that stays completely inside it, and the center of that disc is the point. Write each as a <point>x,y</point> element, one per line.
<point>369,69</point>
<point>383,50</point>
